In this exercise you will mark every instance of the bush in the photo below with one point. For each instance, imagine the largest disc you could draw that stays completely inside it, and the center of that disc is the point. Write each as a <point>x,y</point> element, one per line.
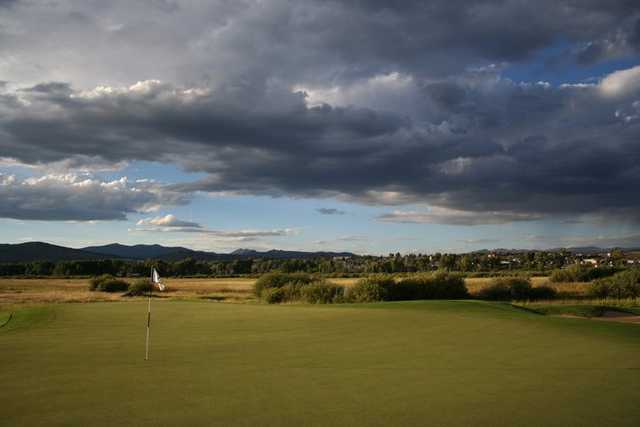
<point>276,288</point>
<point>273,295</point>
<point>581,273</point>
<point>281,287</point>
<point>279,280</point>
<point>441,285</point>
<point>625,284</point>
<point>542,292</point>
<point>140,287</point>
<point>292,291</point>
<point>507,289</point>
<point>323,293</point>
<point>115,285</point>
<point>371,289</point>
<point>95,282</point>
<point>497,291</point>
<point>108,283</point>
<point>601,288</point>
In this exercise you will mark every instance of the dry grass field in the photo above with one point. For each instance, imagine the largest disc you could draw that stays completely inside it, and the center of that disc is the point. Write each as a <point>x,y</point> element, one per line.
<point>570,288</point>
<point>45,290</point>
<point>53,290</point>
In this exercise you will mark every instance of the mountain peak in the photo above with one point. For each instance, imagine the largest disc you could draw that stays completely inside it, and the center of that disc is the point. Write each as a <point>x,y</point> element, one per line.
<point>244,251</point>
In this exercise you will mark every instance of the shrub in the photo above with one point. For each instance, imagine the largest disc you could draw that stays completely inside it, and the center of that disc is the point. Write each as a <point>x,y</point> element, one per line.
<point>292,291</point>
<point>322,293</point>
<point>371,289</point>
<point>108,283</point>
<point>276,288</point>
<point>115,285</point>
<point>278,280</point>
<point>542,292</point>
<point>140,287</point>
<point>448,286</point>
<point>581,273</point>
<point>601,288</point>
<point>95,282</point>
<point>506,289</point>
<point>497,291</point>
<point>625,284</point>
<point>441,285</point>
<point>273,295</point>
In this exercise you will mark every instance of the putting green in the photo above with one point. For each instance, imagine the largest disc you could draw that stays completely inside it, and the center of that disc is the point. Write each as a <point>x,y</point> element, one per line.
<point>417,363</point>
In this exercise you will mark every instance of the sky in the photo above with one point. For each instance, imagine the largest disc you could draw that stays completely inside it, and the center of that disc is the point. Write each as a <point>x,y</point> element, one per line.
<point>362,125</point>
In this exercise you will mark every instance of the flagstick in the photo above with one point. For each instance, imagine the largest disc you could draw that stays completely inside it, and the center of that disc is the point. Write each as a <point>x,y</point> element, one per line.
<point>146,354</point>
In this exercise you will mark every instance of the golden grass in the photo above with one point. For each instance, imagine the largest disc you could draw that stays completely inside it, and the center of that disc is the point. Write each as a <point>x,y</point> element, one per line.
<point>475,284</point>
<point>45,290</point>
<point>350,281</point>
<point>53,290</point>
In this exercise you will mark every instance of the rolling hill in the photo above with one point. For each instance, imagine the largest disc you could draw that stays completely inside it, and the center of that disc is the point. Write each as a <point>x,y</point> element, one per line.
<point>40,251</point>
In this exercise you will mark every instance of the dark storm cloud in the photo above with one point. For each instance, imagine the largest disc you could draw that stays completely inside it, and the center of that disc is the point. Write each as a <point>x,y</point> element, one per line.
<point>517,150</point>
<point>255,42</point>
<point>384,103</point>
<point>623,40</point>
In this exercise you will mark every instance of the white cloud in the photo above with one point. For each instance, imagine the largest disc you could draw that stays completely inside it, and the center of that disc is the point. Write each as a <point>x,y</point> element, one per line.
<point>72,197</point>
<point>169,220</point>
<point>621,82</point>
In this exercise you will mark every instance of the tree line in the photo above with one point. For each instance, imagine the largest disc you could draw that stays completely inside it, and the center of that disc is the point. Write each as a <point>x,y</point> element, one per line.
<point>535,261</point>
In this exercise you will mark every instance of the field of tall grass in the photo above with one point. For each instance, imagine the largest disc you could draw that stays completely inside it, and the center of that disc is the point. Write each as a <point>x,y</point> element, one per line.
<point>57,290</point>
<point>54,290</point>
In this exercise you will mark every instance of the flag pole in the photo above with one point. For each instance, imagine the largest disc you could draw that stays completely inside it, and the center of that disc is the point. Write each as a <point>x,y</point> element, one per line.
<point>146,353</point>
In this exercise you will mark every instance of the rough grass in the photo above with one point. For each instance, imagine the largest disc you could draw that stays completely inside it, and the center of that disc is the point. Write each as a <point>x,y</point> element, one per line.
<point>45,290</point>
<point>475,284</point>
<point>413,364</point>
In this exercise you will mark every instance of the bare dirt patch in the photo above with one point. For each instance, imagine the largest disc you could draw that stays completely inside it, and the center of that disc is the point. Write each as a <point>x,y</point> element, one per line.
<point>618,316</point>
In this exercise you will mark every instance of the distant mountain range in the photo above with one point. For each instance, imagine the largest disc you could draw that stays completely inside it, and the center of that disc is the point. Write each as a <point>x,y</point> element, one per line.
<point>40,251</point>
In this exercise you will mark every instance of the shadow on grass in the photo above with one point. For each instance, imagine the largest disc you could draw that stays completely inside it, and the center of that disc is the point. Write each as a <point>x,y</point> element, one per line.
<point>214,298</point>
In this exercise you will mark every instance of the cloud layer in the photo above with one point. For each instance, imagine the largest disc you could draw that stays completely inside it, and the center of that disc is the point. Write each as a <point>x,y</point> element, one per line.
<point>251,42</point>
<point>286,99</point>
<point>479,144</point>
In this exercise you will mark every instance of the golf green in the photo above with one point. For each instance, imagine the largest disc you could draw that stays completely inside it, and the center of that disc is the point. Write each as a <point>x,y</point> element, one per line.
<point>433,363</point>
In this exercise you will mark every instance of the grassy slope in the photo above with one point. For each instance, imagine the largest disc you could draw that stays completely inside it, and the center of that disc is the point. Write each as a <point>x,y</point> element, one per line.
<point>417,363</point>
<point>583,310</point>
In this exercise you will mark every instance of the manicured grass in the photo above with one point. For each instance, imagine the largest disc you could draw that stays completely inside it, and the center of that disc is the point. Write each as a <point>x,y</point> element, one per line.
<point>416,363</point>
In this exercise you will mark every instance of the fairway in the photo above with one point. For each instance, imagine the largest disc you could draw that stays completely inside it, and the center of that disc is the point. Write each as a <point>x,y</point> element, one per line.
<point>415,363</point>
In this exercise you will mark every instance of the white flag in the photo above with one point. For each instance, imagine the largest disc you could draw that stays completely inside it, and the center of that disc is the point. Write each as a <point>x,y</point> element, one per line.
<point>155,278</point>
